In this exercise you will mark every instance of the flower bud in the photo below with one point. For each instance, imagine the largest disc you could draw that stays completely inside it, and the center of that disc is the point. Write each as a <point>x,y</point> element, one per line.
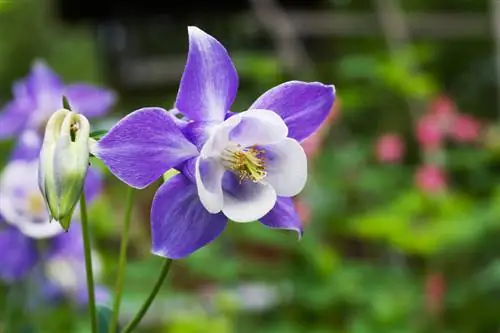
<point>64,160</point>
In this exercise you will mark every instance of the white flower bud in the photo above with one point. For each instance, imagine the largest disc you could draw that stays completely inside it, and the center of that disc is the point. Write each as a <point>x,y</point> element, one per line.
<point>64,160</point>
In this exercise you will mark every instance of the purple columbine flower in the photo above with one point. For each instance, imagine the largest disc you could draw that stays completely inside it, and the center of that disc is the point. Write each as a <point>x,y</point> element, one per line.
<point>24,220</point>
<point>37,97</point>
<point>64,269</point>
<point>19,253</point>
<point>239,166</point>
<point>22,204</point>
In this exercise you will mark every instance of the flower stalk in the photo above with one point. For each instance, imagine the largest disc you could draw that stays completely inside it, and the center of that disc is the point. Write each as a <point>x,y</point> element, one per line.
<point>161,278</point>
<point>122,260</point>
<point>88,263</point>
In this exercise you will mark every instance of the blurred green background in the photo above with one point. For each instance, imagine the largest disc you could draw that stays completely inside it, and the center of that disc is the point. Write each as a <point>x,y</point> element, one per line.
<point>381,253</point>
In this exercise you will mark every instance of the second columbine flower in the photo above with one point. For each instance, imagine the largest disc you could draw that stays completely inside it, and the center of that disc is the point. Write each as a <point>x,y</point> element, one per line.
<point>239,166</point>
<point>64,161</point>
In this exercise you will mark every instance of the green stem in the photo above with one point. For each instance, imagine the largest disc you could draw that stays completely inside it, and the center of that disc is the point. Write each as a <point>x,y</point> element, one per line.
<point>138,317</point>
<point>122,260</point>
<point>88,262</point>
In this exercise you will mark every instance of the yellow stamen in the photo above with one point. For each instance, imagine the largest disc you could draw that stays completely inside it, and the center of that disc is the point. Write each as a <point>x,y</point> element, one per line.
<point>246,163</point>
<point>35,204</point>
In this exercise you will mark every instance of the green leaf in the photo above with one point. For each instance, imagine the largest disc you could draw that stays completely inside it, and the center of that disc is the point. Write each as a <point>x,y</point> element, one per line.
<point>358,67</point>
<point>98,134</point>
<point>65,103</point>
<point>104,315</point>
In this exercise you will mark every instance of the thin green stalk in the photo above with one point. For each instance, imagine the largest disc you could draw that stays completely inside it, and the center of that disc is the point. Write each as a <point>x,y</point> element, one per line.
<point>138,317</point>
<point>88,262</point>
<point>122,260</point>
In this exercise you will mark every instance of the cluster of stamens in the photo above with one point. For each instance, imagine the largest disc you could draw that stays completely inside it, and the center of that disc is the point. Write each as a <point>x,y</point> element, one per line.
<point>35,203</point>
<point>246,163</point>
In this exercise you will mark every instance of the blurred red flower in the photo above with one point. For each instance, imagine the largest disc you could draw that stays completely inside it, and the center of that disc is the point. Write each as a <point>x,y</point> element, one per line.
<point>390,148</point>
<point>465,128</point>
<point>444,110</point>
<point>303,209</point>
<point>435,288</point>
<point>430,179</point>
<point>429,132</point>
<point>312,145</point>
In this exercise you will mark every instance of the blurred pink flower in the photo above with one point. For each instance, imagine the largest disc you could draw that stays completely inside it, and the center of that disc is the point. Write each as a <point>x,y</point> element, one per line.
<point>303,209</point>
<point>429,132</point>
<point>444,110</point>
<point>312,145</point>
<point>435,289</point>
<point>465,128</point>
<point>430,179</point>
<point>390,148</point>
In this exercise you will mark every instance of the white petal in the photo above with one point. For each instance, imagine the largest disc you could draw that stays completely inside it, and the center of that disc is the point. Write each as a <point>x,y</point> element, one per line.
<point>208,174</point>
<point>219,137</point>
<point>18,184</point>
<point>286,167</point>
<point>259,127</point>
<point>248,201</point>
<point>40,230</point>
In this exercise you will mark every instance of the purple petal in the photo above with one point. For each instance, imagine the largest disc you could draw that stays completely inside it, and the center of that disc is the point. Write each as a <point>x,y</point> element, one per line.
<point>180,224</point>
<point>283,216</point>
<point>303,106</point>
<point>21,93</point>
<point>198,132</point>
<point>93,184</point>
<point>188,169</point>
<point>27,147</point>
<point>102,295</point>
<point>69,243</point>
<point>12,120</point>
<point>48,292</point>
<point>179,119</point>
<point>19,254</point>
<point>142,146</point>
<point>42,80</point>
<point>89,100</point>
<point>210,81</point>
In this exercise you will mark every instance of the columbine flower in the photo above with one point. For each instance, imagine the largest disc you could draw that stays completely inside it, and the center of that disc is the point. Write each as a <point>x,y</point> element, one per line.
<point>390,148</point>
<point>64,269</point>
<point>19,253</point>
<point>242,166</point>
<point>24,220</point>
<point>39,95</point>
<point>21,203</point>
<point>62,272</point>
<point>64,160</point>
